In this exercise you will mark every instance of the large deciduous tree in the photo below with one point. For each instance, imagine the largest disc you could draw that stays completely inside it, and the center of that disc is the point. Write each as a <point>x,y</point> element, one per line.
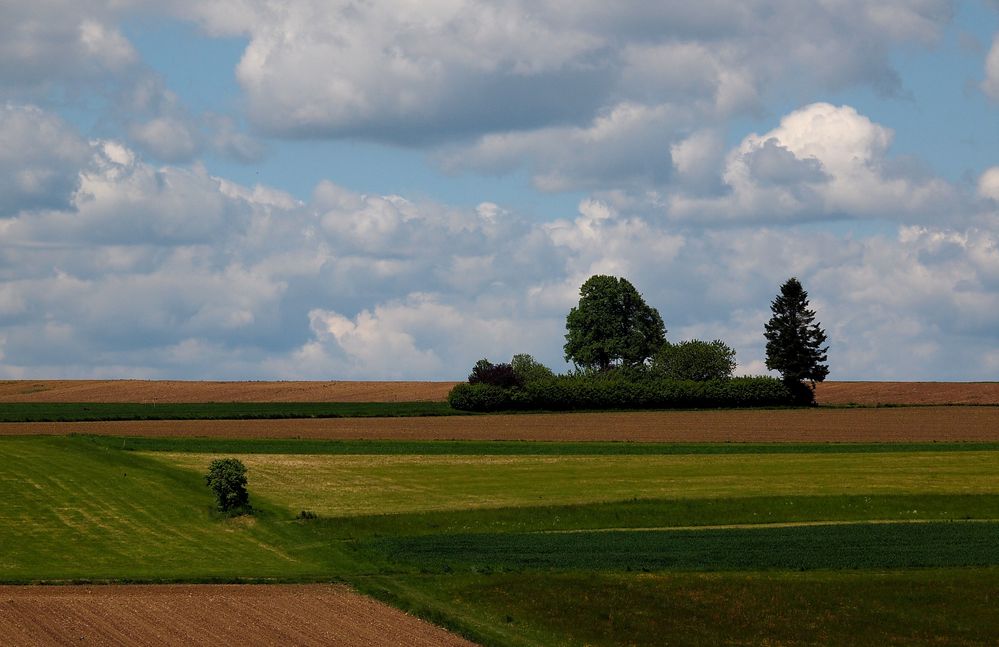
<point>612,325</point>
<point>794,341</point>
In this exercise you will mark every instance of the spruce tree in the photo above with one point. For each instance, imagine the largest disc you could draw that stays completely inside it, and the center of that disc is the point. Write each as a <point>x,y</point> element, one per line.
<point>794,341</point>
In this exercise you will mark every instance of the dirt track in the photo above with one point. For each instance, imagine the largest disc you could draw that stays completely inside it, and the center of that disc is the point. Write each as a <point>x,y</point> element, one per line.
<point>925,424</point>
<point>183,391</point>
<point>206,615</point>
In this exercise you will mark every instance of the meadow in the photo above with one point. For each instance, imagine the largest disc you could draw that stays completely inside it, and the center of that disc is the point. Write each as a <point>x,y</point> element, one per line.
<point>533,543</point>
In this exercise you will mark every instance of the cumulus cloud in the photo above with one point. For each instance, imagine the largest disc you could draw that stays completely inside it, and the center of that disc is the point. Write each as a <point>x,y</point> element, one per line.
<point>821,162</point>
<point>584,96</point>
<point>990,84</point>
<point>677,72</point>
<point>626,146</point>
<point>41,158</point>
<point>144,270</point>
<point>53,52</point>
<point>436,72</point>
<point>59,41</point>
<point>418,334</point>
<point>167,138</point>
<point>988,184</point>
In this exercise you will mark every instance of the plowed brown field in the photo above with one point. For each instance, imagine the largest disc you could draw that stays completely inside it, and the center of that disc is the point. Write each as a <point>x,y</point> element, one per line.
<point>206,615</point>
<point>868,393</point>
<point>922,424</point>
<point>181,391</point>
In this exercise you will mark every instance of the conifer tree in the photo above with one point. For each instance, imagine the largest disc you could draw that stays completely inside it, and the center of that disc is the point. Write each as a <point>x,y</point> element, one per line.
<point>794,341</point>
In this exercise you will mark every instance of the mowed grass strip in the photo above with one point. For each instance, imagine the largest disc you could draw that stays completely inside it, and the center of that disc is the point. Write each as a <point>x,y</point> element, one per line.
<point>349,485</point>
<point>503,448</point>
<point>103,411</point>
<point>864,608</point>
<point>73,511</point>
<point>793,547</point>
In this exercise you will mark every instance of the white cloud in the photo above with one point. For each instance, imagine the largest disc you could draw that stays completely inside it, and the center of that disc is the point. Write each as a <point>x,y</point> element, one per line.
<point>698,159</point>
<point>440,71</point>
<point>162,271</point>
<point>990,84</point>
<point>584,96</point>
<point>627,145</point>
<point>821,162</point>
<point>106,45</point>
<point>40,160</point>
<point>167,138</point>
<point>227,139</point>
<point>679,73</point>
<point>988,184</point>
<point>59,41</point>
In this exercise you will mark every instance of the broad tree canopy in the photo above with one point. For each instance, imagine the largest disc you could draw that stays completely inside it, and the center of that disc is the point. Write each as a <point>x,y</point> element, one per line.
<point>612,325</point>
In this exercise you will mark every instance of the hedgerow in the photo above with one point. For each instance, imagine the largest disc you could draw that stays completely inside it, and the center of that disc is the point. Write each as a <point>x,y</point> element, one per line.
<point>573,392</point>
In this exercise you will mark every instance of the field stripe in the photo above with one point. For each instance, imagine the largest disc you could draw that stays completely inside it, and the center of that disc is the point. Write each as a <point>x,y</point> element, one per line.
<point>803,547</point>
<point>503,448</point>
<point>885,425</point>
<point>751,526</point>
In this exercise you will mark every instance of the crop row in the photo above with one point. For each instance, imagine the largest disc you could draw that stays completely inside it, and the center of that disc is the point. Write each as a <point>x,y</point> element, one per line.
<point>808,547</point>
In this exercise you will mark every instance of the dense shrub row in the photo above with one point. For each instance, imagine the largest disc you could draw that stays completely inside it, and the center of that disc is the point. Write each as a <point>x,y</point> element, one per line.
<point>568,392</point>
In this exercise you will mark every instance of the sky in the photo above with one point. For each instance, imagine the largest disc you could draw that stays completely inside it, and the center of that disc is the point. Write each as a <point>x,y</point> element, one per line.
<point>366,189</point>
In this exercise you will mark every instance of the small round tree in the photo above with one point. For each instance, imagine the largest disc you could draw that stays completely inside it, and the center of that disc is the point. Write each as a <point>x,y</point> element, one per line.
<point>612,325</point>
<point>227,479</point>
<point>794,341</point>
<point>694,360</point>
<point>529,369</point>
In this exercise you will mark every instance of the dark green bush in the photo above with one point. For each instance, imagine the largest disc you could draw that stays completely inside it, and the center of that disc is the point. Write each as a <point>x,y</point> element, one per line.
<point>574,392</point>
<point>502,375</point>
<point>227,479</point>
<point>479,397</point>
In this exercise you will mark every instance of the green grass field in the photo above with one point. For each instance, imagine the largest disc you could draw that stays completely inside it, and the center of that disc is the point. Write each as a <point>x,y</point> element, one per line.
<point>542,543</point>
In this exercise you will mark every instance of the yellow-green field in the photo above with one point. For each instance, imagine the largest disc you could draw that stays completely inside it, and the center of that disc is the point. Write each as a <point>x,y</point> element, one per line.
<point>337,485</point>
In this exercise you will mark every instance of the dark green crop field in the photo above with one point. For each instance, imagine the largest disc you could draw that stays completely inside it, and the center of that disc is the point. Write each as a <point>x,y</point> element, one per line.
<point>506,448</point>
<point>855,545</point>
<point>101,411</point>
<point>542,543</point>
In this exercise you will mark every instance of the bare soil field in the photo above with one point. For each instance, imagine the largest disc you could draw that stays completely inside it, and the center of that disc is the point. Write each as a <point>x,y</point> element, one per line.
<point>864,393</point>
<point>873,393</point>
<point>228,614</point>
<point>182,391</point>
<point>915,424</point>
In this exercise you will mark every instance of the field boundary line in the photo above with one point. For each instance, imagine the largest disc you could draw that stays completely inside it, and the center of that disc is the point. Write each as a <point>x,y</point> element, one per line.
<point>763,525</point>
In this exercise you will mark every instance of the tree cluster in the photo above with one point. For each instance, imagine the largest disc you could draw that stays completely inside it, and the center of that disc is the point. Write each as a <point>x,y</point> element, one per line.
<point>613,334</point>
